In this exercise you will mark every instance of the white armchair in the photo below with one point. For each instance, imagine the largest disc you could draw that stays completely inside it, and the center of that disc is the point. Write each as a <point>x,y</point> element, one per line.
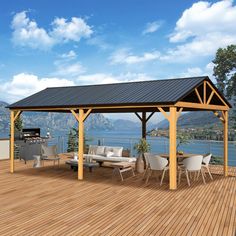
<point>49,153</point>
<point>156,163</point>
<point>191,164</point>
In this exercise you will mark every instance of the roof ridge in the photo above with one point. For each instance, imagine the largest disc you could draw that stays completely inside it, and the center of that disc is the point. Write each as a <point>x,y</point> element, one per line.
<point>130,82</point>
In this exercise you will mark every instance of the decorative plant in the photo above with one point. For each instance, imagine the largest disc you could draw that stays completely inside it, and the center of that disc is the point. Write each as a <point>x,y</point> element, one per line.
<point>142,146</point>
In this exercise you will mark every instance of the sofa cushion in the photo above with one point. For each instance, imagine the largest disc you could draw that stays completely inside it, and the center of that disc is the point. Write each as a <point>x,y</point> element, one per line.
<point>117,151</point>
<point>109,154</point>
<point>100,150</point>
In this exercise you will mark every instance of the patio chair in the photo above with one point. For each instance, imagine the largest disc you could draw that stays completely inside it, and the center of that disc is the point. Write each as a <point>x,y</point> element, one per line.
<point>156,163</point>
<point>205,163</point>
<point>191,164</point>
<point>49,153</point>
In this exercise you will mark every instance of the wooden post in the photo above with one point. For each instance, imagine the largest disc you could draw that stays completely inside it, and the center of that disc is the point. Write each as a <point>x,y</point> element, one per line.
<point>226,143</point>
<point>144,125</point>
<point>12,143</point>
<point>172,149</point>
<point>81,144</point>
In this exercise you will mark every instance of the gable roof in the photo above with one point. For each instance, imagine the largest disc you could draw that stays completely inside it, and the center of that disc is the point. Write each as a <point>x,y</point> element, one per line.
<point>167,92</point>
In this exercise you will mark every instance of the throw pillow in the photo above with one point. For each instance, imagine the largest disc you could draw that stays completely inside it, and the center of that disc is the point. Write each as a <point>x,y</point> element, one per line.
<point>109,154</point>
<point>117,151</point>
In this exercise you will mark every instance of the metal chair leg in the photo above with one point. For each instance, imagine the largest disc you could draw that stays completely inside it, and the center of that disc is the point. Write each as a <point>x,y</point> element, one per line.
<point>148,176</point>
<point>162,177</point>
<point>203,178</point>
<point>209,172</point>
<point>186,172</point>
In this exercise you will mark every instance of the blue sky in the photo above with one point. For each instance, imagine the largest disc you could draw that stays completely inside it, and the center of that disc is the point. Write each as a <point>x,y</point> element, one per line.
<point>57,43</point>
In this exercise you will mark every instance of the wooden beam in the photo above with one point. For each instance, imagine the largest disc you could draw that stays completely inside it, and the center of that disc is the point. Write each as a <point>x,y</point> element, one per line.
<point>140,118</point>
<point>16,115</point>
<point>81,144</point>
<point>213,89</point>
<point>218,116</point>
<point>172,149</point>
<point>226,144</point>
<point>179,113</point>
<point>87,114</point>
<point>88,107</point>
<point>198,95</point>
<point>144,125</point>
<point>75,115</point>
<point>223,115</point>
<point>201,106</point>
<point>210,97</point>
<point>204,92</point>
<point>150,116</point>
<point>12,142</point>
<point>164,113</point>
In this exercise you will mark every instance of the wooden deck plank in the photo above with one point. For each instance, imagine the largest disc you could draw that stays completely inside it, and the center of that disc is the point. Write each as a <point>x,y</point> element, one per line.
<point>51,201</point>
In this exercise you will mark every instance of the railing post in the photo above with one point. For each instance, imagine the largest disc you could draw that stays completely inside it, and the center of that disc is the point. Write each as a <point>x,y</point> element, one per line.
<point>226,143</point>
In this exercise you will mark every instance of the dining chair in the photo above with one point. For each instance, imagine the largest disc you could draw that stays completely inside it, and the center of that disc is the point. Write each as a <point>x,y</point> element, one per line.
<point>191,164</point>
<point>205,163</point>
<point>156,163</point>
<point>146,154</point>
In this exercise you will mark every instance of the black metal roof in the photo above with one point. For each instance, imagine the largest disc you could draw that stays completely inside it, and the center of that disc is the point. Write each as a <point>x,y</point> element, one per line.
<point>167,91</point>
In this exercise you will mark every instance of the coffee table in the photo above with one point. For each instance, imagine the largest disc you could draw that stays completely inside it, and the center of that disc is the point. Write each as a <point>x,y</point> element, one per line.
<point>89,165</point>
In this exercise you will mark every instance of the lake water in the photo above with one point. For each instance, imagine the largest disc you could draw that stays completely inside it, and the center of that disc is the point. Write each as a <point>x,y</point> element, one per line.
<point>158,144</point>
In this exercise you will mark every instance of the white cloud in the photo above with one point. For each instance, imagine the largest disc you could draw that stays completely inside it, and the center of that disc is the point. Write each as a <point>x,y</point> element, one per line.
<point>26,32</point>
<point>197,71</point>
<point>202,29</point>
<point>69,69</point>
<point>193,71</point>
<point>152,27</point>
<point>73,30</point>
<point>102,78</point>
<point>23,85</point>
<point>67,66</point>
<point>124,56</point>
<point>69,56</point>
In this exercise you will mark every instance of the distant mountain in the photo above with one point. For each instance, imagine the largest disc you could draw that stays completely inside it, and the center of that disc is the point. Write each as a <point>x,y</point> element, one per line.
<point>122,124</point>
<point>55,122</point>
<point>193,119</point>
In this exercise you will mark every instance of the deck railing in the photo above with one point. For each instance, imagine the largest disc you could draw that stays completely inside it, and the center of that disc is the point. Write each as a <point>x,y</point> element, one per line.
<point>159,145</point>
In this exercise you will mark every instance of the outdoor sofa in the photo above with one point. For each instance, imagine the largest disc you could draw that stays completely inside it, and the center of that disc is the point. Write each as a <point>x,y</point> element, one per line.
<point>102,154</point>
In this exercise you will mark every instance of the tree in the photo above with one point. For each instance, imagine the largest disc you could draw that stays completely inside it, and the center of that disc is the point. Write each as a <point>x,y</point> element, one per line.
<point>19,124</point>
<point>225,70</point>
<point>72,143</point>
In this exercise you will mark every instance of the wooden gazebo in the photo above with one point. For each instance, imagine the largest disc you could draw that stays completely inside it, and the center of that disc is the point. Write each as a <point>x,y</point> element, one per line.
<point>170,97</point>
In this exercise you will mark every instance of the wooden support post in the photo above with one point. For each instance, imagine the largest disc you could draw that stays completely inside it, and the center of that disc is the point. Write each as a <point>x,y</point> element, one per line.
<point>81,144</point>
<point>144,125</point>
<point>12,142</point>
<point>172,149</point>
<point>204,92</point>
<point>226,144</point>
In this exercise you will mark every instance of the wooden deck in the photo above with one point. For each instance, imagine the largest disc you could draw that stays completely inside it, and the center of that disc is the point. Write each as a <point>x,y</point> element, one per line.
<point>51,201</point>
